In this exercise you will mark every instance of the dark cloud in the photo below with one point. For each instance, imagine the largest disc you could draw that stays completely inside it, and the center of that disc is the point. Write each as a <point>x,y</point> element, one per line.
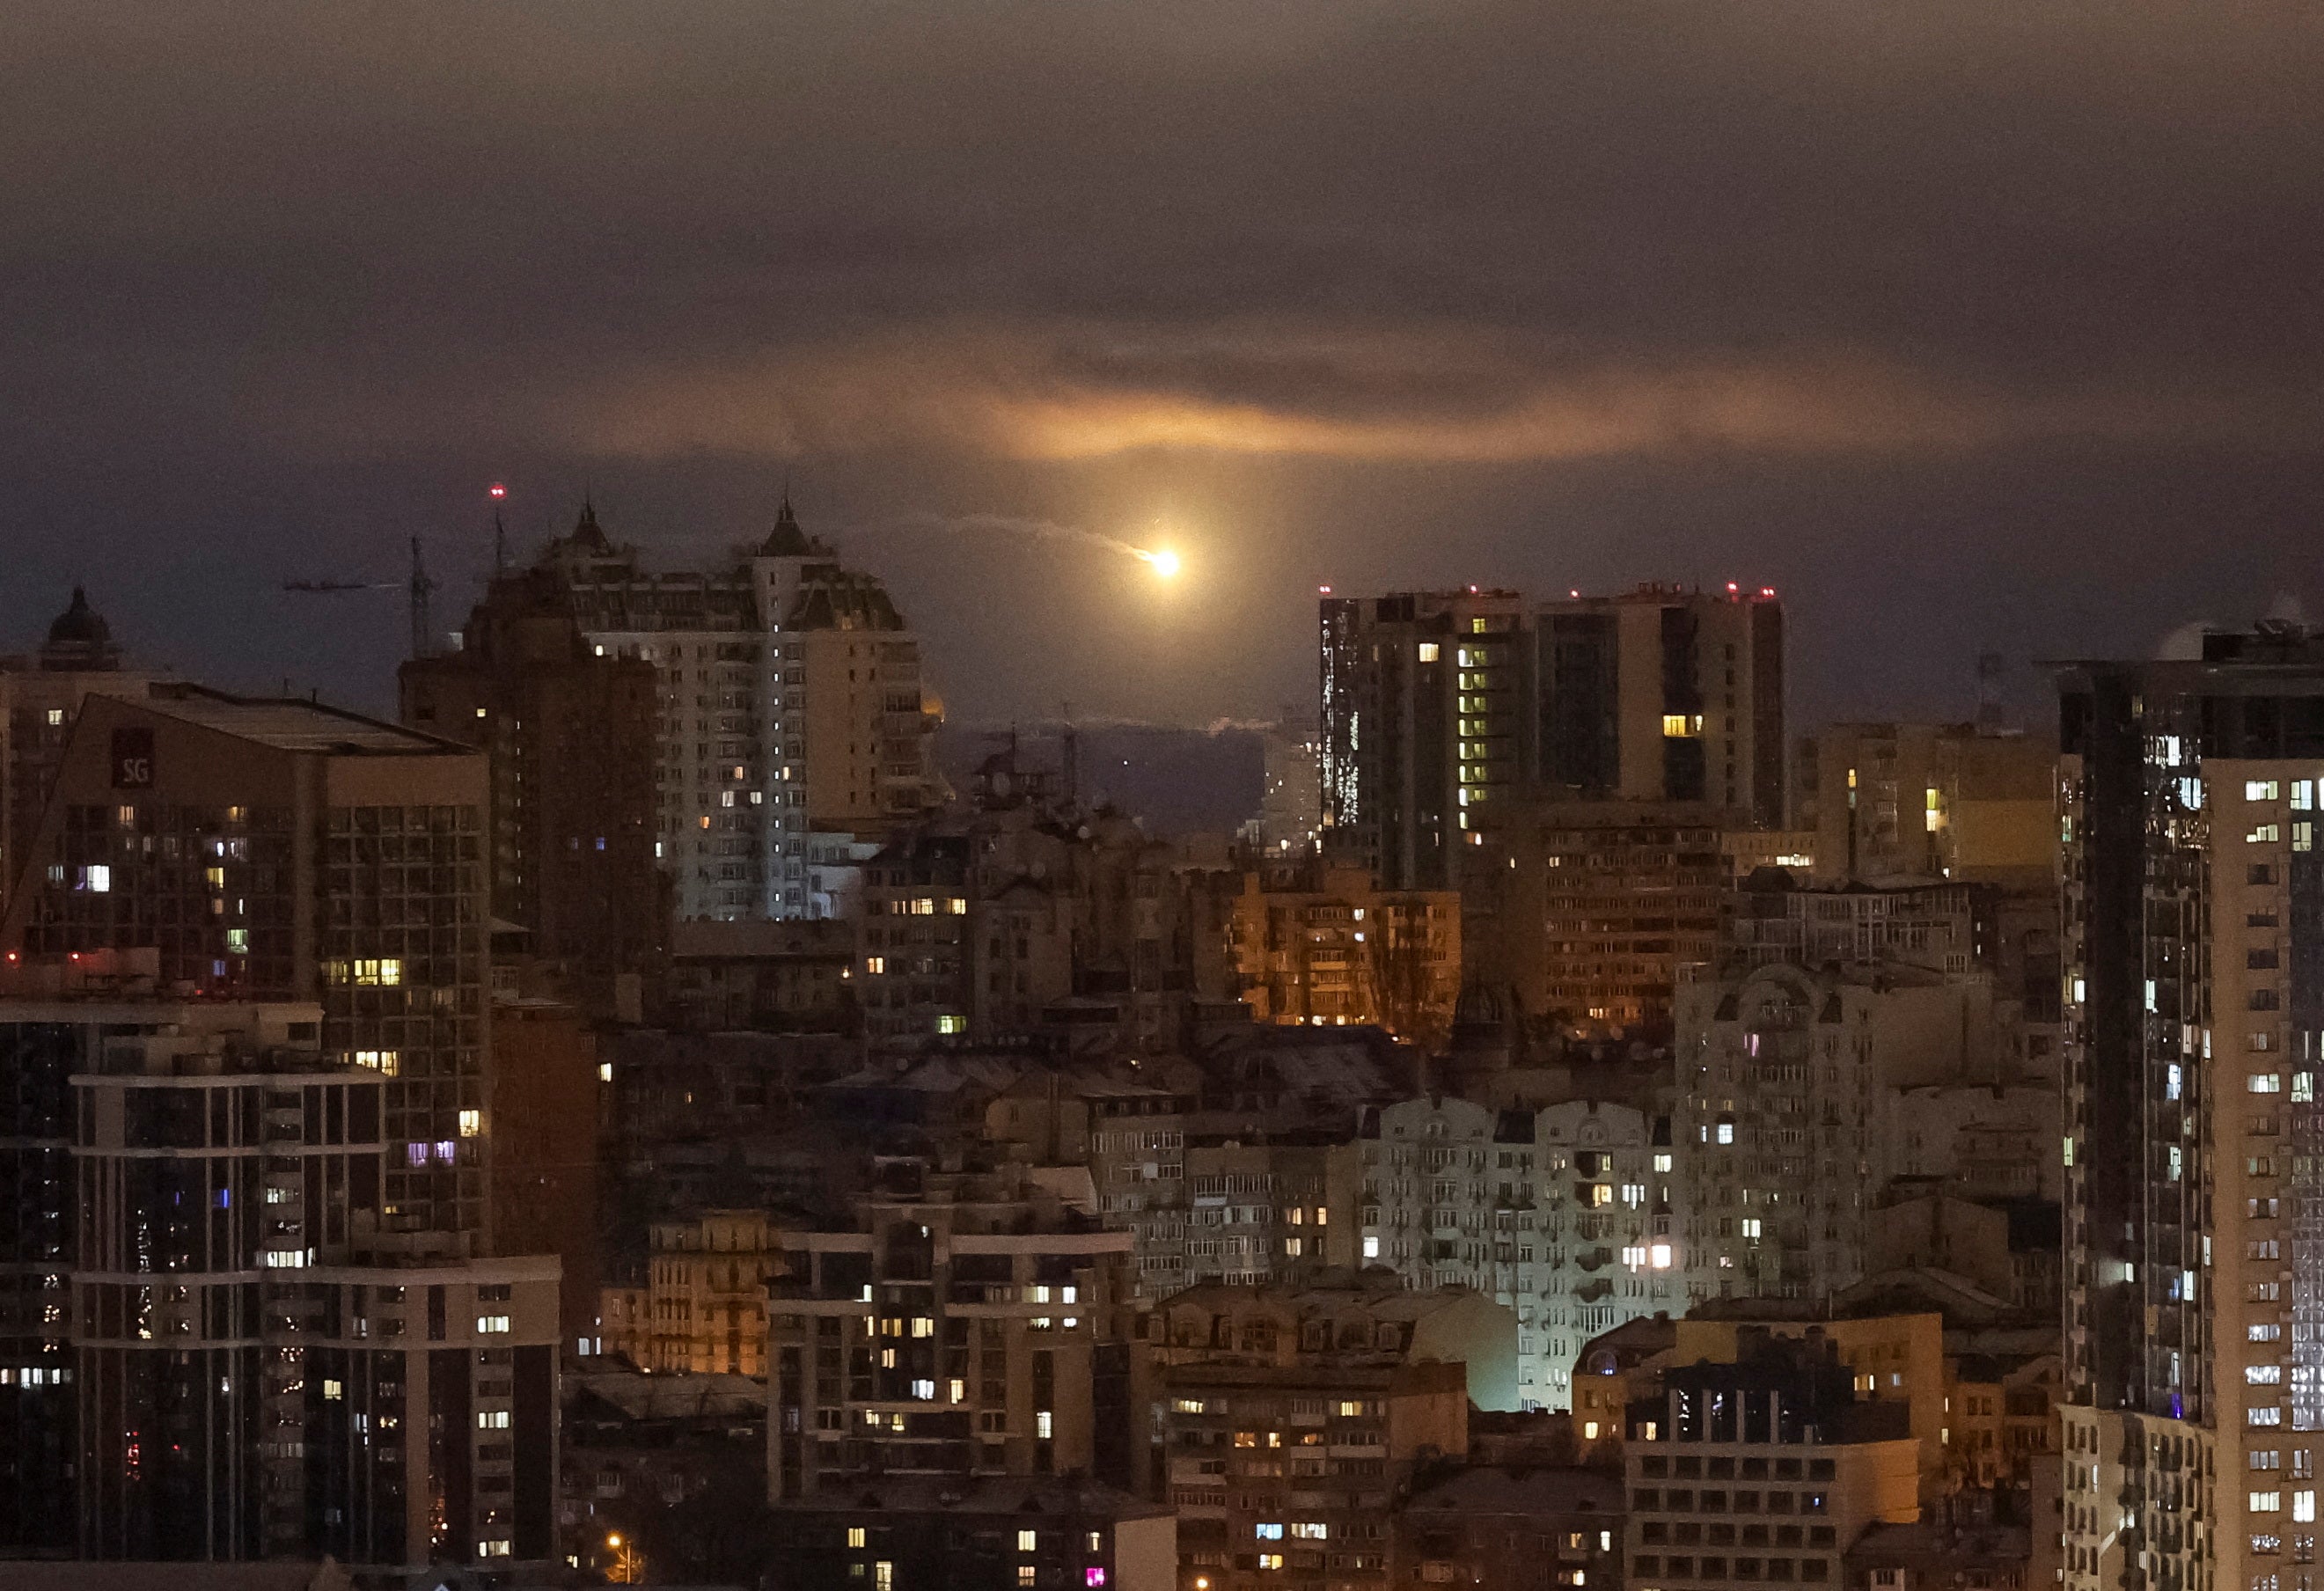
<point>1969,325</point>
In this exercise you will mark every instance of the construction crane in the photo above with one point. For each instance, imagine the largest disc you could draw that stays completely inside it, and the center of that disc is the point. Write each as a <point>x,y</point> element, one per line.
<point>419,587</point>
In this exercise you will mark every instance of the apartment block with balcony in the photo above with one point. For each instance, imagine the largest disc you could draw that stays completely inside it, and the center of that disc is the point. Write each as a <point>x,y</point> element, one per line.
<point>1564,1214</point>
<point>1294,1417</point>
<point>958,1323</point>
<point>703,1309</point>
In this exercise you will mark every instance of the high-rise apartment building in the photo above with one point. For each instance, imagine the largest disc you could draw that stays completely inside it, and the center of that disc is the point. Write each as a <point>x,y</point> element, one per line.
<point>39,699</point>
<point>279,850</point>
<point>1440,706</point>
<point>1794,1087</point>
<point>2194,949</point>
<point>790,701</point>
<point>1291,793</point>
<point>571,737</point>
<point>1937,801</point>
<point>1427,715</point>
<point>1664,694</point>
<point>1590,912</point>
<point>212,1350</point>
<point>953,1324</point>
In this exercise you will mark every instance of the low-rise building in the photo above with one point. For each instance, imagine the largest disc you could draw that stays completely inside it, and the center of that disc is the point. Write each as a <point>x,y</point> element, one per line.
<point>986,1533</point>
<point>1761,1470</point>
<point>1513,1529</point>
<point>1293,1418</point>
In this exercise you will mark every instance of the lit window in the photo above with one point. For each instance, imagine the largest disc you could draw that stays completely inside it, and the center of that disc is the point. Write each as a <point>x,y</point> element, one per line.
<point>1269,1532</point>
<point>496,1547</point>
<point>489,1324</point>
<point>472,1122</point>
<point>1044,1424</point>
<point>493,1420</point>
<point>855,1535</point>
<point>605,1071</point>
<point>1027,1541</point>
<point>875,965</point>
<point>56,715</point>
<point>2265,1082</point>
<point>950,1023</point>
<point>97,880</point>
<point>1429,652</point>
<point>2260,789</point>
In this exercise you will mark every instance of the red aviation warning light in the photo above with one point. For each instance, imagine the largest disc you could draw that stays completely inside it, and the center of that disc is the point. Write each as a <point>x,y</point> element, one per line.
<point>498,491</point>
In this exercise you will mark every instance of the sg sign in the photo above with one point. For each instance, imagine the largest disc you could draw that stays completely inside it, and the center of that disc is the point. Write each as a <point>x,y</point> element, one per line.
<point>132,758</point>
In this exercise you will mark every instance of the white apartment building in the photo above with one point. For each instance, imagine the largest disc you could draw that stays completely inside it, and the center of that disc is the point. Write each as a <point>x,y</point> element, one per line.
<point>1564,1214</point>
<point>791,706</point>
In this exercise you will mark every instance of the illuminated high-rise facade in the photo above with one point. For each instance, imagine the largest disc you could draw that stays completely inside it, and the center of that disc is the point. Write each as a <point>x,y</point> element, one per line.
<point>1664,694</point>
<point>790,701</point>
<point>1436,705</point>
<point>1427,717</point>
<point>2193,927</point>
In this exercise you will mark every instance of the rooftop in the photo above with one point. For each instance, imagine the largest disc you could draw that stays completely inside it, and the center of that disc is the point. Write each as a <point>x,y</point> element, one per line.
<point>290,723</point>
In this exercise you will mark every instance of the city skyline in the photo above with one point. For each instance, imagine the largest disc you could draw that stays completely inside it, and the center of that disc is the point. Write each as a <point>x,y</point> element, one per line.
<point>1902,314</point>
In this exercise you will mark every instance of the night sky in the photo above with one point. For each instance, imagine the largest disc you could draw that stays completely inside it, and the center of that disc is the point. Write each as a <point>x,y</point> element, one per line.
<point>1964,325</point>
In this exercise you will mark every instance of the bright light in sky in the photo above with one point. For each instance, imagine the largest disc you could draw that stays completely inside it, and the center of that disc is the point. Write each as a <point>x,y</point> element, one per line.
<point>1165,561</point>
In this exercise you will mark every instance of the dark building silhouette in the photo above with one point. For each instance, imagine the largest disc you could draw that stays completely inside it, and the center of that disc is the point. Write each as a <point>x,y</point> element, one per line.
<point>571,736</point>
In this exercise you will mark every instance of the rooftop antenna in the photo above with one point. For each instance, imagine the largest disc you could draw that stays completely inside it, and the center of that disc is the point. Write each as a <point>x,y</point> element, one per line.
<point>500,545</point>
<point>1989,692</point>
<point>421,588</point>
<point>1073,758</point>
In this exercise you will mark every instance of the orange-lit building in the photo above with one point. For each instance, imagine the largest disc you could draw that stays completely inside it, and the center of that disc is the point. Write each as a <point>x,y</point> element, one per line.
<point>1340,953</point>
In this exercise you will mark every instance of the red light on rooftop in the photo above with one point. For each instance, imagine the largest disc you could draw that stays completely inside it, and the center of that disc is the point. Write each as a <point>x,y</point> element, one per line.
<point>1732,586</point>
<point>1324,589</point>
<point>1766,591</point>
<point>1472,590</point>
<point>499,489</point>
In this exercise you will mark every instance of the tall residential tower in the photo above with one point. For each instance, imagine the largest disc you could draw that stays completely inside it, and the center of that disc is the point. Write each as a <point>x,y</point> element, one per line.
<point>790,702</point>
<point>2194,1031</point>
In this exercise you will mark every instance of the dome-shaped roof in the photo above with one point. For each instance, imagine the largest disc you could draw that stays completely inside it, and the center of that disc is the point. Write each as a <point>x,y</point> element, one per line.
<point>80,639</point>
<point>1480,1006</point>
